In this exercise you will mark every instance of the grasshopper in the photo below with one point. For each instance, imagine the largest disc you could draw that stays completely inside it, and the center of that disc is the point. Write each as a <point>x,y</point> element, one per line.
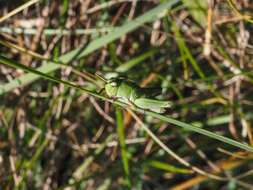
<point>132,94</point>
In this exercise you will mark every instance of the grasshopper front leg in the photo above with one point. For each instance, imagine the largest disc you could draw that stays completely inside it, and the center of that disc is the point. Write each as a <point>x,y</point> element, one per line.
<point>114,98</point>
<point>101,90</point>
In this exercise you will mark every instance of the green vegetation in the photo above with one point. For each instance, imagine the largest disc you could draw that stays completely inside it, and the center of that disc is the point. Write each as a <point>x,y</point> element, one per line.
<point>59,130</point>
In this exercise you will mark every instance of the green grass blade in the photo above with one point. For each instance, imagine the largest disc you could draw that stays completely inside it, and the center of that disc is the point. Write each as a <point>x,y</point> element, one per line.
<point>83,168</point>
<point>223,52</point>
<point>168,167</point>
<point>49,32</point>
<point>38,74</point>
<point>120,130</point>
<point>40,147</point>
<point>153,114</point>
<point>105,185</point>
<point>192,60</point>
<point>131,63</point>
<point>199,130</point>
<point>31,163</point>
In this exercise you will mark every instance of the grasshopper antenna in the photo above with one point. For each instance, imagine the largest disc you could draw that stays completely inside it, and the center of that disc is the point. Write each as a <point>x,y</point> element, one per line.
<point>101,77</point>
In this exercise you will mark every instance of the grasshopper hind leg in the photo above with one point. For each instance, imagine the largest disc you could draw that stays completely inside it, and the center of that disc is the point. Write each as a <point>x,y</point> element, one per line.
<point>134,106</point>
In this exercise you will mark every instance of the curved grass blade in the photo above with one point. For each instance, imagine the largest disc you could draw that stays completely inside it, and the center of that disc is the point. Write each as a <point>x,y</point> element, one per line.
<point>153,114</point>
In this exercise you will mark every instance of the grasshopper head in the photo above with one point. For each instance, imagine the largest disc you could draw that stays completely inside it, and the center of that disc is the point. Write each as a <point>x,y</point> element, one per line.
<point>112,86</point>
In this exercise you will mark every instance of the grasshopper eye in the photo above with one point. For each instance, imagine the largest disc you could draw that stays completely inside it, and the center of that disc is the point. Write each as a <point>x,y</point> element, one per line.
<point>113,84</point>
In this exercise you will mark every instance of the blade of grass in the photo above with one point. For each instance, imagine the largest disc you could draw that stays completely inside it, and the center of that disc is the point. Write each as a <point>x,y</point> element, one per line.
<point>245,17</point>
<point>168,167</point>
<point>120,130</point>
<point>180,43</point>
<point>82,169</point>
<point>200,131</point>
<point>63,20</point>
<point>38,74</point>
<point>170,152</point>
<point>131,63</point>
<point>227,57</point>
<point>15,11</point>
<point>31,163</point>
<point>192,60</point>
<point>211,78</point>
<point>49,32</point>
<point>105,185</point>
<point>41,143</point>
<point>153,114</point>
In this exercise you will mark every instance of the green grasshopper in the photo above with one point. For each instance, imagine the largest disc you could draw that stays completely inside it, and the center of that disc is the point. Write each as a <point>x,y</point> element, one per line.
<point>130,93</point>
